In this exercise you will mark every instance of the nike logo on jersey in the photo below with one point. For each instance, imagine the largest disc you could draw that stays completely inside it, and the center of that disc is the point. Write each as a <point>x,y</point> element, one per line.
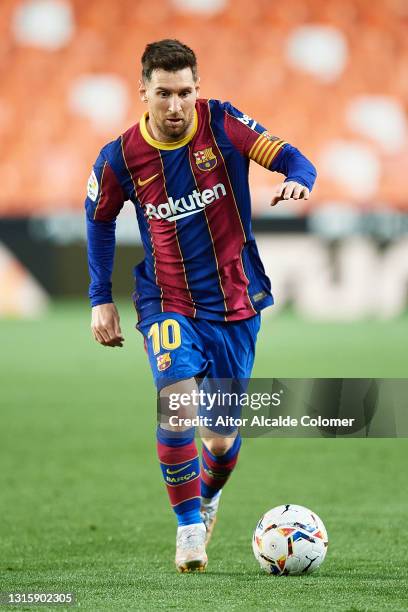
<point>142,182</point>
<point>178,470</point>
<point>189,205</point>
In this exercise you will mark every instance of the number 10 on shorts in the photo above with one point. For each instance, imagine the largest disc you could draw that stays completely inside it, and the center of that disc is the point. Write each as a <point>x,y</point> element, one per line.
<point>165,335</point>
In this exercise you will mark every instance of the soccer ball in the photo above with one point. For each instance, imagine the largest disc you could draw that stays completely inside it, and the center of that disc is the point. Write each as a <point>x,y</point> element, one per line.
<point>290,540</point>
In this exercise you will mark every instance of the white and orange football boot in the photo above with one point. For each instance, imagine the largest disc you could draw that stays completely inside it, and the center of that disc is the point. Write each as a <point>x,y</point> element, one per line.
<point>209,509</point>
<point>190,548</point>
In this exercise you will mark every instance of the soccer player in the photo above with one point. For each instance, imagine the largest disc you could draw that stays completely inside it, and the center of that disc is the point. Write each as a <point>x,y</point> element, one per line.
<point>201,287</point>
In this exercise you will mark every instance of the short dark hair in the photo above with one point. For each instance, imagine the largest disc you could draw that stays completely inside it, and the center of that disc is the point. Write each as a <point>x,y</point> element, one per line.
<point>168,54</point>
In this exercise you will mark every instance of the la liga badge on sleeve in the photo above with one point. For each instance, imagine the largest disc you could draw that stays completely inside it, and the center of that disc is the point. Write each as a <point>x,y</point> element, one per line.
<point>93,187</point>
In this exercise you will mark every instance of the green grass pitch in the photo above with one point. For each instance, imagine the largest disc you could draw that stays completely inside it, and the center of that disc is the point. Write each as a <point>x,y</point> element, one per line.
<point>83,507</point>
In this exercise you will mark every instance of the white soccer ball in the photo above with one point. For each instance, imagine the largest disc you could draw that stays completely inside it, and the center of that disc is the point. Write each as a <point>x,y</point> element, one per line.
<point>290,540</point>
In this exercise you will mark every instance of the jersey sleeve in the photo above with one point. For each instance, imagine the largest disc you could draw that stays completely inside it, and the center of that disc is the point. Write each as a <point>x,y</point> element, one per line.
<point>105,198</point>
<point>250,137</point>
<point>255,142</point>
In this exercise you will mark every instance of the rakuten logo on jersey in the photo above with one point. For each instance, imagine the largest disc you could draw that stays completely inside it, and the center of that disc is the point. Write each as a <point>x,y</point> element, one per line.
<point>183,207</point>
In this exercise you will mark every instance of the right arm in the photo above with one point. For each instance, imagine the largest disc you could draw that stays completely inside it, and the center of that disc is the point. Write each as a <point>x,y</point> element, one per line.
<point>104,200</point>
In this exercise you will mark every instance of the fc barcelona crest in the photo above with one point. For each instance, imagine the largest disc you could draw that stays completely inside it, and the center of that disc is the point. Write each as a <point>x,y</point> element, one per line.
<point>205,159</point>
<point>163,362</point>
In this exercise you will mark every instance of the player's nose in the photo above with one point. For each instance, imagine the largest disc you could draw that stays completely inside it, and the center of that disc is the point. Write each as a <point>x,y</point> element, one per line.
<point>174,104</point>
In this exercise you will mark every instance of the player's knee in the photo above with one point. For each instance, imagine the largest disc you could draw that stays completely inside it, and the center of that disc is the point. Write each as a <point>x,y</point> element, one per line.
<point>175,428</point>
<point>175,413</point>
<point>218,446</point>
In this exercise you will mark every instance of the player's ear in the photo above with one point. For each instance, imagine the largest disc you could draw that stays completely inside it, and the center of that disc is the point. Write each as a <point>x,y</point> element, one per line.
<point>142,90</point>
<point>197,85</point>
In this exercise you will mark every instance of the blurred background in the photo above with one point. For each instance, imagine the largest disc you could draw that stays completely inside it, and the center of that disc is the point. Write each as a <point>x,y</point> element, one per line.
<point>77,420</point>
<point>328,76</point>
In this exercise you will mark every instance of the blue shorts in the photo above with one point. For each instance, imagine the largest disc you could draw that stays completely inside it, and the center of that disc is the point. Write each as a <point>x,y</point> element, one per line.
<point>180,347</point>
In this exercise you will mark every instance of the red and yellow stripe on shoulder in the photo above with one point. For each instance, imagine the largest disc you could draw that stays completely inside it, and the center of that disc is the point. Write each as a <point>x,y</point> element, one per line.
<point>265,149</point>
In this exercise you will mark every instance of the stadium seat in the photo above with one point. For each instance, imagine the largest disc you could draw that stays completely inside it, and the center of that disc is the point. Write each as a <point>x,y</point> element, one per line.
<point>51,146</point>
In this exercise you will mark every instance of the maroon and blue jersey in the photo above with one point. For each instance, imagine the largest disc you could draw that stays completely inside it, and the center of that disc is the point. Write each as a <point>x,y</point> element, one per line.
<point>193,208</point>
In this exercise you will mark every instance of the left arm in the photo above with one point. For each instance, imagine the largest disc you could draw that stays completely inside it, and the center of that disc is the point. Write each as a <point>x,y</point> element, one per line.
<point>271,152</point>
<point>300,175</point>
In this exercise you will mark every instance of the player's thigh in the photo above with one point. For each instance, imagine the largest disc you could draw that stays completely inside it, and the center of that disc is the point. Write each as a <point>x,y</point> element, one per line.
<point>239,342</point>
<point>174,348</point>
<point>231,356</point>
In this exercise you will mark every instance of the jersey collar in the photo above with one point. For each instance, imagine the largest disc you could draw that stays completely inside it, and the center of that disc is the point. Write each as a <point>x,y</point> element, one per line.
<point>166,145</point>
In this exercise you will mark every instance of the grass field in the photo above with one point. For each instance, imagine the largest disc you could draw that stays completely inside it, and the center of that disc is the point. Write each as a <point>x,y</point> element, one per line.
<point>83,508</point>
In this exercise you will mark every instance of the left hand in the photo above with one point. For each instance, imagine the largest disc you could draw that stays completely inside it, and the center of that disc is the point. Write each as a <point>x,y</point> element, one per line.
<point>293,190</point>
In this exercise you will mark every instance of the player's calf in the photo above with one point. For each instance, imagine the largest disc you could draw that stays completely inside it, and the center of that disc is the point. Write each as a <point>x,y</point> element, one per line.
<point>180,467</point>
<point>216,468</point>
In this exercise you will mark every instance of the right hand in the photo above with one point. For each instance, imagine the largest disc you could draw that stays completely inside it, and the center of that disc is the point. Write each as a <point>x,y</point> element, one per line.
<point>105,325</point>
